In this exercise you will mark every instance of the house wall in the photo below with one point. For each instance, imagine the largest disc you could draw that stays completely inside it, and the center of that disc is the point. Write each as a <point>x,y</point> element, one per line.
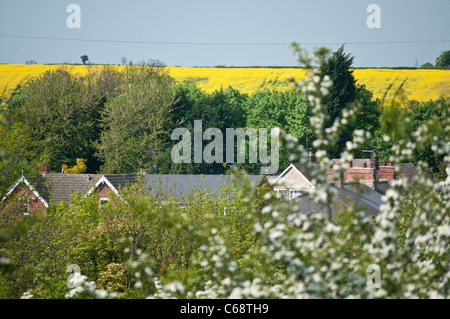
<point>34,204</point>
<point>103,191</point>
<point>292,179</point>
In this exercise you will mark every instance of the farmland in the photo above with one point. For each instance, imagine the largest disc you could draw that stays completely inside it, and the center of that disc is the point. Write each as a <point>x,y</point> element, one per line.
<point>420,84</point>
<point>149,239</point>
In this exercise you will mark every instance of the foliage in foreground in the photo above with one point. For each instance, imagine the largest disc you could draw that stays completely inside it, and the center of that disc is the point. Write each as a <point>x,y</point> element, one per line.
<point>316,256</point>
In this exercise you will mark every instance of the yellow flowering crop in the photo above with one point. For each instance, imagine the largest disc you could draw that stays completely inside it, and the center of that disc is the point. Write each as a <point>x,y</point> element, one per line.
<point>420,85</point>
<point>14,75</point>
<point>246,80</point>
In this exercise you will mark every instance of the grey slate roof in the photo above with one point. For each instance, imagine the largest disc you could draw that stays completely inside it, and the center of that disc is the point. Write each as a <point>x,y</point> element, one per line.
<point>383,186</point>
<point>180,185</point>
<point>59,187</point>
<point>121,180</point>
<point>40,185</point>
<point>62,186</point>
<point>306,205</point>
<point>360,195</point>
<point>409,171</point>
<point>366,199</point>
<point>351,194</point>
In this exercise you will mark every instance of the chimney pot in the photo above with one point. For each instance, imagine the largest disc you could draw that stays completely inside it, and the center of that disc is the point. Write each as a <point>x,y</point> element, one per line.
<point>311,157</point>
<point>43,168</point>
<point>376,161</point>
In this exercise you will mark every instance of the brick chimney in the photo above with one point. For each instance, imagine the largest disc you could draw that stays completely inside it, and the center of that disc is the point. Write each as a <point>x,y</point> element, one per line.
<point>311,157</point>
<point>387,172</point>
<point>363,174</point>
<point>375,160</point>
<point>341,180</point>
<point>43,168</point>
<point>360,173</point>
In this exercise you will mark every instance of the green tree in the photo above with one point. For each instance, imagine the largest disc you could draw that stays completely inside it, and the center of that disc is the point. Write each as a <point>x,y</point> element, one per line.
<point>215,111</point>
<point>135,122</point>
<point>427,65</point>
<point>220,109</point>
<point>19,156</point>
<point>84,58</point>
<point>367,116</point>
<point>343,92</point>
<point>400,122</point>
<point>60,114</point>
<point>287,110</point>
<point>236,102</point>
<point>187,94</point>
<point>80,168</point>
<point>443,60</point>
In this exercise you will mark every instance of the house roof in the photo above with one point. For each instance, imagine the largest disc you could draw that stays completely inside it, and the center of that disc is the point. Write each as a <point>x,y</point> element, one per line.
<point>365,199</point>
<point>357,195</point>
<point>383,186</point>
<point>360,195</point>
<point>299,169</point>
<point>59,187</point>
<point>408,170</point>
<point>36,184</point>
<point>62,186</point>
<point>180,185</point>
<point>306,205</point>
<point>121,180</point>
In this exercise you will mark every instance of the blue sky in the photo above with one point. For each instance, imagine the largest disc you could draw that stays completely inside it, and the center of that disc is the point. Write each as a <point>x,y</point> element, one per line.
<point>219,32</point>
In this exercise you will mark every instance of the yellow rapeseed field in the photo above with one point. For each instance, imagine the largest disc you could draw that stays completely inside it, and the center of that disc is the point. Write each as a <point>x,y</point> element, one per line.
<point>420,85</point>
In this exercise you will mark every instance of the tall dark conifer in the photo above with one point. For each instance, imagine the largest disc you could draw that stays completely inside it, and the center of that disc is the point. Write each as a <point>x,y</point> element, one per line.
<point>343,91</point>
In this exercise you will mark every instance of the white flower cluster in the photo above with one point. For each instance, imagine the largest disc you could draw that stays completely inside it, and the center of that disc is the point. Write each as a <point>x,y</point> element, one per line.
<point>310,256</point>
<point>82,287</point>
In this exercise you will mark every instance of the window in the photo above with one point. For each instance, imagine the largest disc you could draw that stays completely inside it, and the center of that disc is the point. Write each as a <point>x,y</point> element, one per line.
<point>294,193</point>
<point>281,193</point>
<point>103,201</point>
<point>24,205</point>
